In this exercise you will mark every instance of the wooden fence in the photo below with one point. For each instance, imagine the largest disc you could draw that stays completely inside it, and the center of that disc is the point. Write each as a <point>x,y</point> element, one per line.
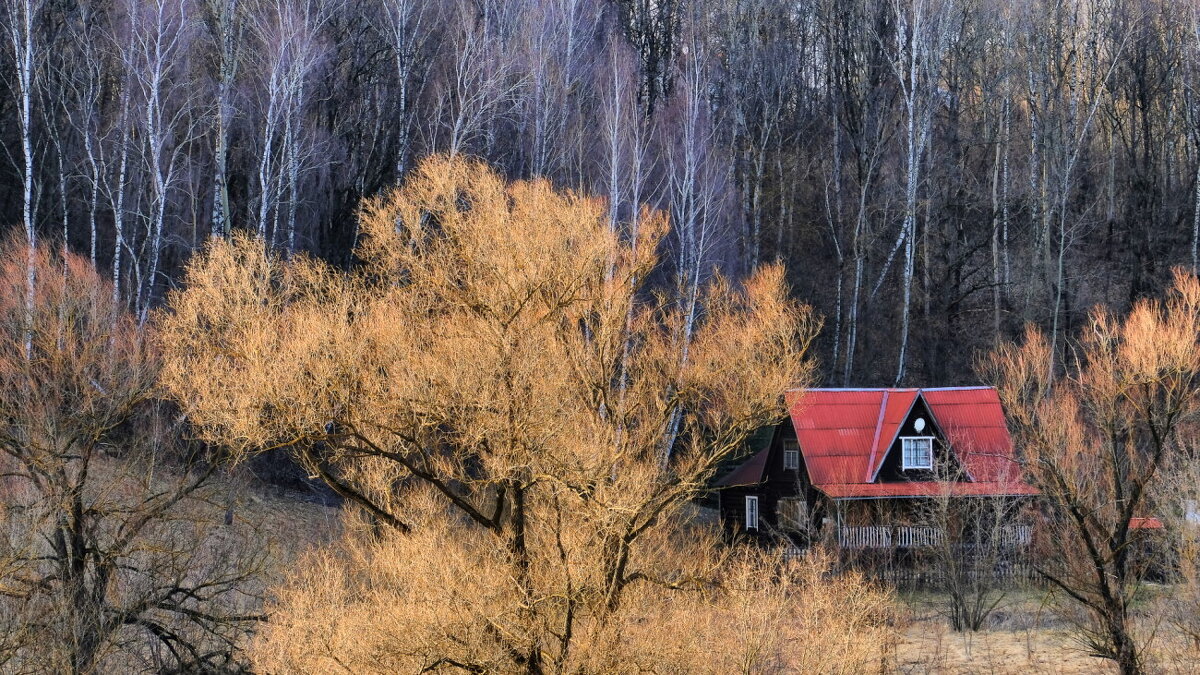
<point>906,576</point>
<point>865,537</point>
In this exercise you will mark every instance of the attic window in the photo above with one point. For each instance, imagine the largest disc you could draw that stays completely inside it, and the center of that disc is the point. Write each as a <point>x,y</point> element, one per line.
<point>791,456</point>
<point>918,453</point>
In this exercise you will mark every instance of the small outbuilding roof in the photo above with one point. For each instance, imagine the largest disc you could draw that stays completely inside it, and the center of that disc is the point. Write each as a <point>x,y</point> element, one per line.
<point>1145,523</point>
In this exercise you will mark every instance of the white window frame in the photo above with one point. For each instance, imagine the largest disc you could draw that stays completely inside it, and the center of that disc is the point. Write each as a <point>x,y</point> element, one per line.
<point>791,456</point>
<point>904,463</point>
<point>751,512</point>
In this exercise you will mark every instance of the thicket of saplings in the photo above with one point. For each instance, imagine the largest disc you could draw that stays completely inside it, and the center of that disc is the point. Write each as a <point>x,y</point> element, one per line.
<point>517,412</point>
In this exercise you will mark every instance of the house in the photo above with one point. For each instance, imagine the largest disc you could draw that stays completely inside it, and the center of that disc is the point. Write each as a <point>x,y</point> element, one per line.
<point>850,466</point>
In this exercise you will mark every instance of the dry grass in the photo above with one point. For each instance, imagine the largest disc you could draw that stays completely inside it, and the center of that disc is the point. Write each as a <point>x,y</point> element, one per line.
<point>930,647</point>
<point>1026,636</point>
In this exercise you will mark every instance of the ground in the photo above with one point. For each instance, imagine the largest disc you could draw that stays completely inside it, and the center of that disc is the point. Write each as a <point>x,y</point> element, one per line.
<point>1025,636</point>
<point>928,646</point>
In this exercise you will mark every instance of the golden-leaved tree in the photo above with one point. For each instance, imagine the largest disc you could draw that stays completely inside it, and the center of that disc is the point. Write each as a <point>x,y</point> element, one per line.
<point>494,387</point>
<point>1098,435</point>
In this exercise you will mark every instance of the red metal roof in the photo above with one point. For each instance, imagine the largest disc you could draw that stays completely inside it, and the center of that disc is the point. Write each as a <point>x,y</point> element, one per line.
<point>845,434</point>
<point>894,410</point>
<point>1145,524</point>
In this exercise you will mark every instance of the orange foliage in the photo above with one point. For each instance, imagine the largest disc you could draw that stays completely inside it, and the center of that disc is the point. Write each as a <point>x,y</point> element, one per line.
<point>496,388</point>
<point>1096,435</point>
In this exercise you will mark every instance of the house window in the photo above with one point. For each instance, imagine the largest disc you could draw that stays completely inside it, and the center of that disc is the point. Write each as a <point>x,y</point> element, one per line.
<point>751,512</point>
<point>918,453</point>
<point>791,456</point>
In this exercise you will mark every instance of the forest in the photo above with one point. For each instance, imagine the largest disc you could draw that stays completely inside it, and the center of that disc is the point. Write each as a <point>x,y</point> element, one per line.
<point>933,173</point>
<point>405,336</point>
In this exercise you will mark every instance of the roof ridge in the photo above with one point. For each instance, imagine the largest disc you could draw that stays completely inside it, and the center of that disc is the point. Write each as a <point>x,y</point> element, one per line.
<point>878,429</point>
<point>857,389</point>
<point>874,468</point>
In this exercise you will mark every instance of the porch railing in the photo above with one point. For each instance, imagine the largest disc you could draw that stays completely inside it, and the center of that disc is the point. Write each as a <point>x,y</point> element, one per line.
<point>918,536</point>
<point>1017,535</point>
<point>865,537</point>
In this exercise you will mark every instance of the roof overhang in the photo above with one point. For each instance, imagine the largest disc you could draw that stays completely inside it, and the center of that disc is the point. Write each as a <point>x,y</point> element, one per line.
<point>924,490</point>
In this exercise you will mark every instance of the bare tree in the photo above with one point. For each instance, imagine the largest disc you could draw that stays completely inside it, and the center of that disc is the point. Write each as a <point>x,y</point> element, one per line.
<point>859,103</point>
<point>761,57</point>
<point>920,39</point>
<point>23,23</point>
<point>974,542</point>
<point>880,148</point>
<point>1097,437</point>
<point>696,196</point>
<point>405,25</point>
<point>160,34</point>
<point>23,18</point>
<point>225,21</point>
<point>654,29</point>
<point>113,558</point>
<point>477,84</point>
<point>289,49</point>
<point>1178,554</point>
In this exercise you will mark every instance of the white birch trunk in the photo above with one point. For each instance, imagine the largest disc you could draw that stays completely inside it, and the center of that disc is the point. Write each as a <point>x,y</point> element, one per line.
<point>21,26</point>
<point>227,31</point>
<point>119,200</point>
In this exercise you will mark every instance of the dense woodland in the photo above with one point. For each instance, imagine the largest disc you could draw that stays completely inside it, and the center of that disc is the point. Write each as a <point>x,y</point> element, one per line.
<point>934,173</point>
<point>519,421</point>
<point>515,280</point>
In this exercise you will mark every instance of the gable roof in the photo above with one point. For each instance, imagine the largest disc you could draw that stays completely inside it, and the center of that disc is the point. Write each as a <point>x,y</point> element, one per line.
<point>845,435</point>
<point>893,411</point>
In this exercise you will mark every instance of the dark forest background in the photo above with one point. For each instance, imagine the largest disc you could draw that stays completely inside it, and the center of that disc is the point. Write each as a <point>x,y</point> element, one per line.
<point>934,173</point>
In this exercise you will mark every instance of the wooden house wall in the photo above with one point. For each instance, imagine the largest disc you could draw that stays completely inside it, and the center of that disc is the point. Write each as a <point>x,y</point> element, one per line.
<point>872,512</point>
<point>891,470</point>
<point>778,484</point>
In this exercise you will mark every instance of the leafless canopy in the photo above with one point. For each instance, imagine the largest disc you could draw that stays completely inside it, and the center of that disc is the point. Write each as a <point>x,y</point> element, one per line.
<point>111,555</point>
<point>495,387</point>
<point>1097,433</point>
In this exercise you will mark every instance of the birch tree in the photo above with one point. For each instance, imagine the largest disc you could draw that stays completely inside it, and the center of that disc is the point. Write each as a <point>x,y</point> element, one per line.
<point>225,21</point>
<point>405,24</point>
<point>858,115</point>
<point>23,22</point>
<point>919,42</point>
<point>88,79</point>
<point>160,34</point>
<point>695,195</point>
<point>23,19</point>
<point>477,84</point>
<point>289,48</point>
